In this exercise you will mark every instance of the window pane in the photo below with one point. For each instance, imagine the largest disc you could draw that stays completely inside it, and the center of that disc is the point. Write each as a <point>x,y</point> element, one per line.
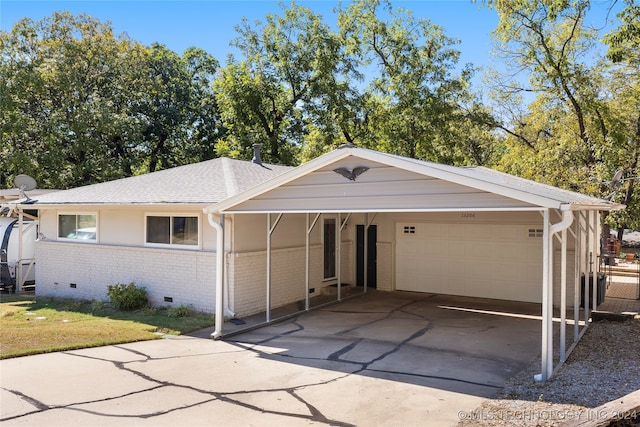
<point>185,230</point>
<point>158,228</point>
<point>86,221</point>
<point>80,227</point>
<point>67,226</point>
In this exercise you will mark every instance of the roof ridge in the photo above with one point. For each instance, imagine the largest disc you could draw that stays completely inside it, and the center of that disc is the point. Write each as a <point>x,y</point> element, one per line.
<point>230,180</point>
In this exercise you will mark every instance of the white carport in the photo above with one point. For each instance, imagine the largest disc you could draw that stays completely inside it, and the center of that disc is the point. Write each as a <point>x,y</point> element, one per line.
<point>354,181</point>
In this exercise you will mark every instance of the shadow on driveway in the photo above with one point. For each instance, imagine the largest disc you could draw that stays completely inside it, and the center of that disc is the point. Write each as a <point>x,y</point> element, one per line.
<point>445,342</point>
<point>384,359</point>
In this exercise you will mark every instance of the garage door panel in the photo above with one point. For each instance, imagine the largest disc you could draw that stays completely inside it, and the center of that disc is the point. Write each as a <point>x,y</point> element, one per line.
<point>480,260</point>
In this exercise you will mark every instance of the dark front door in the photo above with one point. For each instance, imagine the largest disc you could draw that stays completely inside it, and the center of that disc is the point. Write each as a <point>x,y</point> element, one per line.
<point>372,237</point>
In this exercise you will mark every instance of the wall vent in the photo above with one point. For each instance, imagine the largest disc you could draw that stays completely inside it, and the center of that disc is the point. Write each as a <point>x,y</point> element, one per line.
<point>536,232</point>
<point>168,299</point>
<point>409,229</point>
<point>72,285</point>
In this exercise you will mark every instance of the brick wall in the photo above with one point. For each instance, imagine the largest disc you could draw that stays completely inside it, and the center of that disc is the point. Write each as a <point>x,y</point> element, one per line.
<point>384,270</point>
<point>186,276</point>
<point>248,272</point>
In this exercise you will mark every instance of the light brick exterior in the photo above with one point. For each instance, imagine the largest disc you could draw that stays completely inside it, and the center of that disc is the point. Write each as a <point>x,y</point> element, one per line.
<point>186,276</point>
<point>384,266</point>
<point>248,273</point>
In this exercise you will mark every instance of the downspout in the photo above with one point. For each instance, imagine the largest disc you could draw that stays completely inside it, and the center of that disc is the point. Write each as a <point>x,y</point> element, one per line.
<point>219,314</point>
<point>228,223</point>
<point>547,292</point>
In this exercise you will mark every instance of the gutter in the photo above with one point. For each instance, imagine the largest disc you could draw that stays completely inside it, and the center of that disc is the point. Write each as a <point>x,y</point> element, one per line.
<point>567,220</point>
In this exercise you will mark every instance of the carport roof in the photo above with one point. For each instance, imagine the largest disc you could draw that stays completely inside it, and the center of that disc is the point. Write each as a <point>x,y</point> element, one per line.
<point>397,183</point>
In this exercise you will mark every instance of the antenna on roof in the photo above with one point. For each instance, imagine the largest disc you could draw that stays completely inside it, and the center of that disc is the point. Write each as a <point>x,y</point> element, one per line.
<point>617,179</point>
<point>25,183</point>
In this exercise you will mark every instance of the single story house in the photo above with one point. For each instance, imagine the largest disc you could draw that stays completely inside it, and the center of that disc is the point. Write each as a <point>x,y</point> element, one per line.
<point>236,238</point>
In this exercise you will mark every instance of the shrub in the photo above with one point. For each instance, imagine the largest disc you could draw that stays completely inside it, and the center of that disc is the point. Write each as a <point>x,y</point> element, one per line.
<point>96,306</point>
<point>180,311</point>
<point>127,297</point>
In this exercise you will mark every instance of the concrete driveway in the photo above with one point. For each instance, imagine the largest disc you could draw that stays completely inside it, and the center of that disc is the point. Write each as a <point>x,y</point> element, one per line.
<point>386,358</point>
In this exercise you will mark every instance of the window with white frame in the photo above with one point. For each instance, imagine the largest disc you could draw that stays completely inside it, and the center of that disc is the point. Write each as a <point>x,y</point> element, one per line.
<point>78,227</point>
<point>173,230</point>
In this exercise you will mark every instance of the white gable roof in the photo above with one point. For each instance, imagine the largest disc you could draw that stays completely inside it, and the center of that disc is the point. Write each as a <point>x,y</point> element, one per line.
<point>394,183</point>
<point>201,183</point>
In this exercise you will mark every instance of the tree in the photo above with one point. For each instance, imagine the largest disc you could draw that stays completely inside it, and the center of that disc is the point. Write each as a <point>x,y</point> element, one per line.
<point>417,102</point>
<point>564,137</point>
<point>177,108</point>
<point>624,52</point>
<point>288,62</point>
<point>303,89</point>
<point>81,105</point>
<point>64,114</point>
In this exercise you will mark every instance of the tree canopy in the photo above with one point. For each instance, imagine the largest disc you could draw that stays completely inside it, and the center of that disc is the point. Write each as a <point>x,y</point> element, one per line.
<point>579,127</point>
<point>81,104</point>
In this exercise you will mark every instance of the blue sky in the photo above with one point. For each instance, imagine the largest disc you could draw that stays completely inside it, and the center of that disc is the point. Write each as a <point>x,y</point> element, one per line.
<point>209,24</point>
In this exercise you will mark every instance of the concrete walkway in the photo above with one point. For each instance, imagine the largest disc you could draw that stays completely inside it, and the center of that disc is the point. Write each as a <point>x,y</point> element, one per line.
<point>383,359</point>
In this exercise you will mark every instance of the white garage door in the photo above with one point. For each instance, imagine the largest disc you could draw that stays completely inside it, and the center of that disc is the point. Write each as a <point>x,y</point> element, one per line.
<point>480,260</point>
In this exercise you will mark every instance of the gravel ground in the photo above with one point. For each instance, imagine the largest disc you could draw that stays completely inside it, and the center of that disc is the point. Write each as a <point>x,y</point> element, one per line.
<point>604,366</point>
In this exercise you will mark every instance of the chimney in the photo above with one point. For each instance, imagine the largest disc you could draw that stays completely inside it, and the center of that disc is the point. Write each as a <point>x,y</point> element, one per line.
<point>256,154</point>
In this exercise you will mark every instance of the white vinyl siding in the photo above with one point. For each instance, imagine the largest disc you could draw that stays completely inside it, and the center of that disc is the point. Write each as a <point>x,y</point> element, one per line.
<point>380,189</point>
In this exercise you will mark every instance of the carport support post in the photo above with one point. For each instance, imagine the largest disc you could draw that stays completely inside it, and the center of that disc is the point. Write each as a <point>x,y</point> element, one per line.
<point>309,228</point>
<point>576,278</point>
<point>219,313</point>
<point>547,302</point>
<point>547,289</point>
<point>563,296</point>
<point>341,226</point>
<point>306,264</point>
<point>338,250</point>
<point>270,229</point>
<point>268,308</point>
<point>595,259</point>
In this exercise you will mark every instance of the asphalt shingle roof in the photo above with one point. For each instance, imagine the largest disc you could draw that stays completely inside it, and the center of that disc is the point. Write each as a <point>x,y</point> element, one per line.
<point>483,174</point>
<point>200,183</point>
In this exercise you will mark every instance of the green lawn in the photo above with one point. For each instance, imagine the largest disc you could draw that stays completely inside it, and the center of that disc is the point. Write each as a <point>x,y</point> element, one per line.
<point>30,325</point>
